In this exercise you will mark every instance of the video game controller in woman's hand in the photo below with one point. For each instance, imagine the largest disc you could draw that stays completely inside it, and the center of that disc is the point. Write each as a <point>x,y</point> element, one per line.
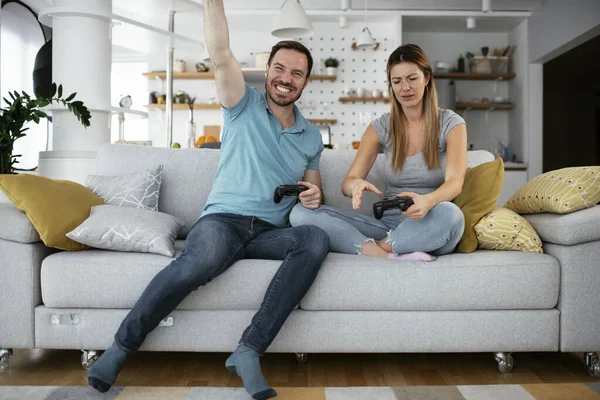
<point>287,190</point>
<point>399,202</point>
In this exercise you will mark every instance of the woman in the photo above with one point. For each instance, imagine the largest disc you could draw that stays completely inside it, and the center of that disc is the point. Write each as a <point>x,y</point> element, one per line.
<point>426,160</point>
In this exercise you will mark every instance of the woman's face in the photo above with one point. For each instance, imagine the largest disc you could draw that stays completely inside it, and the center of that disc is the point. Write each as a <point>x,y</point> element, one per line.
<point>408,83</point>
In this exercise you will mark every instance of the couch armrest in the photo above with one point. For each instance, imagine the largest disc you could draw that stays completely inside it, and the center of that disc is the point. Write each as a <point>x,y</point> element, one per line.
<point>567,229</point>
<point>15,226</point>
<point>20,293</point>
<point>578,301</point>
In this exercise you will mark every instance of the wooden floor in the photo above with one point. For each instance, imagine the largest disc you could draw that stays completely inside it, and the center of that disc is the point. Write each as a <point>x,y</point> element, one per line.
<point>63,368</point>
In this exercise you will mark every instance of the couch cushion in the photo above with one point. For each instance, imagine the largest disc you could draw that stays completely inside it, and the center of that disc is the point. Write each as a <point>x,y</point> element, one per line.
<point>188,175</point>
<point>567,229</point>
<point>482,280</point>
<point>15,226</point>
<point>110,279</point>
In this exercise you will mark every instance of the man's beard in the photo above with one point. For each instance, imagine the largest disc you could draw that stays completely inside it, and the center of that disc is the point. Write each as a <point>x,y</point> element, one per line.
<point>273,95</point>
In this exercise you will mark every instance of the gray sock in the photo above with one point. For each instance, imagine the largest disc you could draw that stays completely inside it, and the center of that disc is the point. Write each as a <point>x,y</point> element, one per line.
<point>245,362</point>
<point>103,373</point>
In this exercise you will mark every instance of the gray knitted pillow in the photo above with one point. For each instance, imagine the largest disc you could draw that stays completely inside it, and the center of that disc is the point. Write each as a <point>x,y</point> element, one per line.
<point>137,190</point>
<point>126,229</point>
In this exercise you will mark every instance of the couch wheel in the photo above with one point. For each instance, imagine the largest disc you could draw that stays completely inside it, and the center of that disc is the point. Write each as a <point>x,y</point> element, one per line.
<point>505,362</point>
<point>5,355</point>
<point>88,358</point>
<point>301,357</point>
<point>593,363</point>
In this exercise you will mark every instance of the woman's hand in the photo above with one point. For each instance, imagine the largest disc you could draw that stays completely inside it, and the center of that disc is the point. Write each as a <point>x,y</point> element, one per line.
<point>358,187</point>
<point>310,198</point>
<point>420,207</point>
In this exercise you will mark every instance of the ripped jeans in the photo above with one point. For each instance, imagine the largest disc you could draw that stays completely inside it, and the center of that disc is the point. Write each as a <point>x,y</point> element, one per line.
<point>437,234</point>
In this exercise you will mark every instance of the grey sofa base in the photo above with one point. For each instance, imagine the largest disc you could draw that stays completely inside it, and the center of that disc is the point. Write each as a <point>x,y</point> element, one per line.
<point>315,331</point>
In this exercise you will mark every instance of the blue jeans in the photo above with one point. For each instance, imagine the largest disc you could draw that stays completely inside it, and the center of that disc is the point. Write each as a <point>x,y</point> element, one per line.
<point>438,233</point>
<point>215,243</point>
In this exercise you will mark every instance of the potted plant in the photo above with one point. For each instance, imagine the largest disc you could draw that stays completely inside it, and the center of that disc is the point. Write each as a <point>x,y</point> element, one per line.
<point>21,109</point>
<point>331,65</point>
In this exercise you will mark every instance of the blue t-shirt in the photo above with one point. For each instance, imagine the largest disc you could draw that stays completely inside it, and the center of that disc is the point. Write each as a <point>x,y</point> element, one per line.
<point>256,156</point>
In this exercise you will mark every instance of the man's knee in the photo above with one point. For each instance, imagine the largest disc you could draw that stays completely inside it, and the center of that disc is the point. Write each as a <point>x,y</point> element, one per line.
<point>197,268</point>
<point>314,239</point>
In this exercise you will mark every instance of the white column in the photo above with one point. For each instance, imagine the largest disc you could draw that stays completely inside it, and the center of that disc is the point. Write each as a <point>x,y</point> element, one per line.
<point>81,62</point>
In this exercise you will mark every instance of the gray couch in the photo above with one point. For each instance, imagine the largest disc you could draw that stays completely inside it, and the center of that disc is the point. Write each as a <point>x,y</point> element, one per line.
<point>487,301</point>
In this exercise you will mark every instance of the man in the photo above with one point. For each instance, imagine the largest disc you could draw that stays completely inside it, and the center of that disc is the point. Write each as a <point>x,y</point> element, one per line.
<point>265,143</point>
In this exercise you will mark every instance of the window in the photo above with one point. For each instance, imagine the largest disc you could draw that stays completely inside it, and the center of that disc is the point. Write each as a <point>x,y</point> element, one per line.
<point>127,79</point>
<point>20,40</point>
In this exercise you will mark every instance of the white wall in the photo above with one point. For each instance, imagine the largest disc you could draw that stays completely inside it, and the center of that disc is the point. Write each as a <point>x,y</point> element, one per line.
<point>557,26</point>
<point>518,134</point>
<point>484,129</point>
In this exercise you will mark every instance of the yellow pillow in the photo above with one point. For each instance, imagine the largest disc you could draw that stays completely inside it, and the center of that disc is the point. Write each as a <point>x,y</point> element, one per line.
<point>503,229</point>
<point>561,191</point>
<point>479,195</point>
<point>53,207</point>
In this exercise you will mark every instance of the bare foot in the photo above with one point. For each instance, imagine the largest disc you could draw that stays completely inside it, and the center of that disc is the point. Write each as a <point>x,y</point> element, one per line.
<point>373,250</point>
<point>384,245</point>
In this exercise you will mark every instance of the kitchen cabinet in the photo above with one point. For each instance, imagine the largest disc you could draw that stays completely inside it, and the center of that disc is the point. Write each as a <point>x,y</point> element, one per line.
<point>513,180</point>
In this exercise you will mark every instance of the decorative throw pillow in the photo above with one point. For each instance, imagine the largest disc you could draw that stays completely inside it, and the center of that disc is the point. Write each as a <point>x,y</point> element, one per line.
<point>54,207</point>
<point>562,191</point>
<point>479,195</point>
<point>125,229</point>
<point>503,229</point>
<point>137,190</point>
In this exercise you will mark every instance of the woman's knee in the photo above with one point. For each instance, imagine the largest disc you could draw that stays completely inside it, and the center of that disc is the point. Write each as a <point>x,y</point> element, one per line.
<point>301,215</point>
<point>450,214</point>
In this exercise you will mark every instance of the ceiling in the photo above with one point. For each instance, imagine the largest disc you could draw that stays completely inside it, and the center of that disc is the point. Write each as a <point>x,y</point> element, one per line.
<point>153,7</point>
<point>442,15</point>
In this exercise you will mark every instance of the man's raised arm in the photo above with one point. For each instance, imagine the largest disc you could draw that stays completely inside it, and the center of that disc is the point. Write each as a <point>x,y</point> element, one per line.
<point>228,74</point>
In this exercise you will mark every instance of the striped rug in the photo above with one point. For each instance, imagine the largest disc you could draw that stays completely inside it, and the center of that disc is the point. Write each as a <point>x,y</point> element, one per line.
<point>559,391</point>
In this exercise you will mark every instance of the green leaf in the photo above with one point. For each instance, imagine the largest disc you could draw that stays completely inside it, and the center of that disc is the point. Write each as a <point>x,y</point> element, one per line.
<point>36,118</point>
<point>38,91</point>
<point>59,90</point>
<point>71,97</point>
<point>53,89</point>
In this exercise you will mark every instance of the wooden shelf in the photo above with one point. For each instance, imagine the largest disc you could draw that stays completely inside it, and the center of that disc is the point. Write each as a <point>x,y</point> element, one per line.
<point>472,76</point>
<point>197,106</point>
<point>181,75</point>
<point>373,99</point>
<point>323,121</point>
<point>253,73</point>
<point>331,78</point>
<point>479,106</point>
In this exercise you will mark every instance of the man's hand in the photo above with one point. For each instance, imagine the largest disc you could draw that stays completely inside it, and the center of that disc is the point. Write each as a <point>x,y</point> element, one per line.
<point>420,207</point>
<point>310,198</point>
<point>358,187</point>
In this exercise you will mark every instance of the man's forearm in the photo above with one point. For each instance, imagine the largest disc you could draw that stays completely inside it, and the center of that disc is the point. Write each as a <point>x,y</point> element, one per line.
<point>216,31</point>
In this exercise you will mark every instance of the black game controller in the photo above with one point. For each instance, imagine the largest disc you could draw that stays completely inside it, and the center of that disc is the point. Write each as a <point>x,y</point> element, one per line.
<point>287,190</point>
<point>399,202</point>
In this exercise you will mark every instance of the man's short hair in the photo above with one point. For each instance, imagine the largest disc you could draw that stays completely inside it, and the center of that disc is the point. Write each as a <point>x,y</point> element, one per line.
<point>293,45</point>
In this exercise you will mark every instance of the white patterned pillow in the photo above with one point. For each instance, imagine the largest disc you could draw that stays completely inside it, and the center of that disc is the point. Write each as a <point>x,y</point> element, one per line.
<point>125,229</point>
<point>137,190</point>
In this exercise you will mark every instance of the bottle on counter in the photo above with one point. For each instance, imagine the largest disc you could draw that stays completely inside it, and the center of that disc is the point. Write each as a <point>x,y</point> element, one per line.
<point>461,64</point>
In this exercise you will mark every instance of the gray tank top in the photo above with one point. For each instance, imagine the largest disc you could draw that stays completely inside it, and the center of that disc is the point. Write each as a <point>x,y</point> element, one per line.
<point>415,177</point>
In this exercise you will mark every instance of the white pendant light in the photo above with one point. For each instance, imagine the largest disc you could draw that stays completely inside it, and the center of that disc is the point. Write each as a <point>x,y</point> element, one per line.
<point>486,5</point>
<point>365,40</point>
<point>292,21</point>
<point>471,23</point>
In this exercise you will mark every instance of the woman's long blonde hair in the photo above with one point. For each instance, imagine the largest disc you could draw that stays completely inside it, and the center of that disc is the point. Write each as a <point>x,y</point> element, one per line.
<point>414,54</point>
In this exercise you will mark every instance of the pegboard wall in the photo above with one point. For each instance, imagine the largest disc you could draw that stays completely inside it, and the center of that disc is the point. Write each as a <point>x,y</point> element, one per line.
<point>363,68</point>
